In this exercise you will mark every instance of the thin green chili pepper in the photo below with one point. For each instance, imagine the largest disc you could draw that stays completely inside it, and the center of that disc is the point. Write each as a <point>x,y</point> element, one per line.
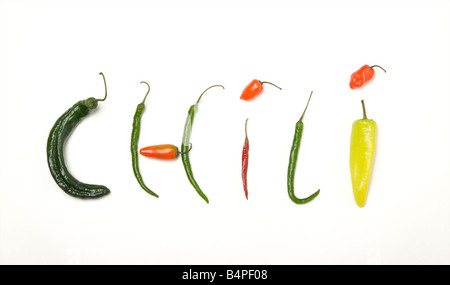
<point>185,145</point>
<point>293,161</point>
<point>57,138</point>
<point>134,143</point>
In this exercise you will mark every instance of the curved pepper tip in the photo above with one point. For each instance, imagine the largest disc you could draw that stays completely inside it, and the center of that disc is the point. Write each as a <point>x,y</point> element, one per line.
<point>360,201</point>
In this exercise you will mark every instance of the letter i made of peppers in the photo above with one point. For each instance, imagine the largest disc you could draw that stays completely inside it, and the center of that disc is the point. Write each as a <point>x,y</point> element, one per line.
<point>362,141</point>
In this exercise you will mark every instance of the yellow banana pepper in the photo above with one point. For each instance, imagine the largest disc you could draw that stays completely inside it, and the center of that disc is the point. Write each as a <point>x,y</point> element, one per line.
<point>362,149</point>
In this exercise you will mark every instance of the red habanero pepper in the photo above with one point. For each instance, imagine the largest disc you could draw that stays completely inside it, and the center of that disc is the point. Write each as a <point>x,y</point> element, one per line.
<point>362,75</point>
<point>245,151</point>
<point>161,151</point>
<point>253,89</point>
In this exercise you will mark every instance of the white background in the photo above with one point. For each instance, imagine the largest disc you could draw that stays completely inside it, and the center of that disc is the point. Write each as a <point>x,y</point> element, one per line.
<point>52,51</point>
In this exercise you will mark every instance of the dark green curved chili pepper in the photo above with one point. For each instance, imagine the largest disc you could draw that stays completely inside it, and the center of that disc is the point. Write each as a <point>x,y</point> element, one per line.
<point>293,161</point>
<point>186,144</point>
<point>59,133</point>
<point>134,143</point>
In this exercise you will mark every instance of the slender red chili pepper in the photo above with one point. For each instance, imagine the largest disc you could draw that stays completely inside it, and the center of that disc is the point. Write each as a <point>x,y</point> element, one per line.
<point>245,161</point>
<point>253,89</point>
<point>161,151</point>
<point>362,75</point>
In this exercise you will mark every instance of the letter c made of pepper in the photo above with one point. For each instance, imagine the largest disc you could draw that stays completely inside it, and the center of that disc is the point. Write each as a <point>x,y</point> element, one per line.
<point>57,138</point>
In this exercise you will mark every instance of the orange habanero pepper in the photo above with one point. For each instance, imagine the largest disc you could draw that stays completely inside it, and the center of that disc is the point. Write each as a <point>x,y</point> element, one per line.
<point>253,89</point>
<point>362,75</point>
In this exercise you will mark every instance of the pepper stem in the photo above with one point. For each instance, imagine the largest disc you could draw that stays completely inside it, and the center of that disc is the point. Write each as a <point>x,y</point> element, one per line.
<point>183,152</point>
<point>106,91</point>
<point>246,137</point>
<point>262,82</point>
<point>198,101</point>
<point>147,91</point>
<point>306,107</point>
<point>378,67</point>
<point>364,110</point>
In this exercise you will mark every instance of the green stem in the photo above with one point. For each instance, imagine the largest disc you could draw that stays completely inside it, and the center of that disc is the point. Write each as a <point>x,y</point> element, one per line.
<point>106,91</point>
<point>262,82</point>
<point>246,137</point>
<point>198,101</point>
<point>306,107</point>
<point>183,152</point>
<point>364,110</point>
<point>378,67</point>
<point>147,91</point>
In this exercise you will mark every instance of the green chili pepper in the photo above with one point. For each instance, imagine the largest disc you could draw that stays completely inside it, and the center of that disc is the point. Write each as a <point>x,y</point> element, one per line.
<point>134,143</point>
<point>185,145</point>
<point>293,161</point>
<point>57,138</point>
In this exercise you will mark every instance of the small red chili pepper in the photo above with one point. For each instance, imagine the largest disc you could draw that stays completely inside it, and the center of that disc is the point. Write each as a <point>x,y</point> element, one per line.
<point>245,161</point>
<point>161,151</point>
<point>253,89</point>
<point>362,75</point>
